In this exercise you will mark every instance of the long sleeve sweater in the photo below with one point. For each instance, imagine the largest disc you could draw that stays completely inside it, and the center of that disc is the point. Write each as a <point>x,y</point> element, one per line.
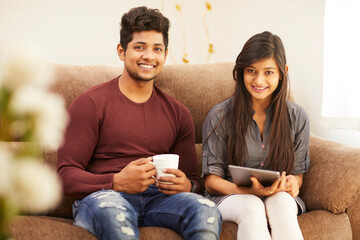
<point>107,131</point>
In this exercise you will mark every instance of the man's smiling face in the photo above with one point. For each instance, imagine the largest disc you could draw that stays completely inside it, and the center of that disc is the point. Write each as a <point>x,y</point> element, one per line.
<point>145,55</point>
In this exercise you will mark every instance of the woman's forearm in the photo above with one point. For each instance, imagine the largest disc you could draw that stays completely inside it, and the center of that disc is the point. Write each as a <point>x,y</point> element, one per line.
<point>216,185</point>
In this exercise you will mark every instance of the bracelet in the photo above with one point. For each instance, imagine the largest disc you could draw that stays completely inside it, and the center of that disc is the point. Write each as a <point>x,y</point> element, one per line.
<point>193,187</point>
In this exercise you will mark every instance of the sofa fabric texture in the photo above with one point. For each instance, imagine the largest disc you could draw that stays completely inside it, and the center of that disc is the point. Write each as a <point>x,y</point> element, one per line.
<point>331,188</point>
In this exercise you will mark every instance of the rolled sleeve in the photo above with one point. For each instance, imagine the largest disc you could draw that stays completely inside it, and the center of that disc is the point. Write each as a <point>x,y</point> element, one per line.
<point>214,144</point>
<point>211,165</point>
<point>301,142</point>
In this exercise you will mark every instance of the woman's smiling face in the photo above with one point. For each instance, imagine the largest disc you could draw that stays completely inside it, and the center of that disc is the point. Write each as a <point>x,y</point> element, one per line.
<point>261,79</point>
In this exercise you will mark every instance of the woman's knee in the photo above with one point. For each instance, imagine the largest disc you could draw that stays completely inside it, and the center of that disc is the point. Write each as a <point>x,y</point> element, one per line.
<point>253,208</point>
<point>244,207</point>
<point>280,202</point>
<point>280,199</point>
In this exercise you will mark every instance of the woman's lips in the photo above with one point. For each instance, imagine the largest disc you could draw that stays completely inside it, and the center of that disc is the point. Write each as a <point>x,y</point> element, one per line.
<point>259,89</point>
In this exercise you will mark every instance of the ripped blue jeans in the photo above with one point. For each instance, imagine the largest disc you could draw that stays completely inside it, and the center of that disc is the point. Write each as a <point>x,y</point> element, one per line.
<point>115,215</point>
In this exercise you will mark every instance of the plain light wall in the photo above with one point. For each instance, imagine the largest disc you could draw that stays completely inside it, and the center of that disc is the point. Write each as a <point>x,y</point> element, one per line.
<point>86,32</point>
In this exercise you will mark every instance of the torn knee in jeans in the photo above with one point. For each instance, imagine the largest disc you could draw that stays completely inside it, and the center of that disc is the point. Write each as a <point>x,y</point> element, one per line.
<point>207,202</point>
<point>120,217</point>
<point>128,231</point>
<point>211,204</point>
<point>211,220</point>
<point>102,195</point>
<point>111,204</point>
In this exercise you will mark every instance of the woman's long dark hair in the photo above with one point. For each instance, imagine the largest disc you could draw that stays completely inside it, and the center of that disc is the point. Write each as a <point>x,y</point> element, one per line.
<point>281,150</point>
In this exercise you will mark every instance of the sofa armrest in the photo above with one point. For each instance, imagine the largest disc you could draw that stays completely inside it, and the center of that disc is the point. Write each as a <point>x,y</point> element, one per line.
<point>333,180</point>
<point>354,215</point>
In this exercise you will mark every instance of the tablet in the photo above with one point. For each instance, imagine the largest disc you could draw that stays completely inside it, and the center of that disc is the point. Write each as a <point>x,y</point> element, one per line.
<point>241,175</point>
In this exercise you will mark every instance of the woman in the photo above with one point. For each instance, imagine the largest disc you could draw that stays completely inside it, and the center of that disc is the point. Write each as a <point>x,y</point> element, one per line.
<point>259,128</point>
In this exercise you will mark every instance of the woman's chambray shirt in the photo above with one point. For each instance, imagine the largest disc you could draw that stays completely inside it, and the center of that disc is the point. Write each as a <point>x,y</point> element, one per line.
<point>214,158</point>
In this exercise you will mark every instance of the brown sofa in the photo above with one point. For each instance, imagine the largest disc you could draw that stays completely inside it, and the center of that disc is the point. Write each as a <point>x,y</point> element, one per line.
<point>331,187</point>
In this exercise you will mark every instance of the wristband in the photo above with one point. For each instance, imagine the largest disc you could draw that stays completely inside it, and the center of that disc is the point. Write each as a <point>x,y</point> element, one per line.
<point>193,187</point>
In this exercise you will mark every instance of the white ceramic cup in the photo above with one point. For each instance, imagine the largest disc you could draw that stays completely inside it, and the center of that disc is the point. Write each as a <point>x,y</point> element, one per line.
<point>165,161</point>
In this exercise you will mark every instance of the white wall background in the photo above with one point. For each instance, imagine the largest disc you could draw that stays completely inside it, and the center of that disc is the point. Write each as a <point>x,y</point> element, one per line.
<point>87,31</point>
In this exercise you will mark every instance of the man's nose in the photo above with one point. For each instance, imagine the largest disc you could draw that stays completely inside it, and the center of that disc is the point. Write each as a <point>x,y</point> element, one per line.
<point>148,54</point>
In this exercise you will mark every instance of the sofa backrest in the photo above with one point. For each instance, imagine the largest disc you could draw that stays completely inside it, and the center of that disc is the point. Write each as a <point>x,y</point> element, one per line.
<point>198,86</point>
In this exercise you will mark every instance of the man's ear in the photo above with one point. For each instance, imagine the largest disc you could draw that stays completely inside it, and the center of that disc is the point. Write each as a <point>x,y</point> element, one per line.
<point>166,53</point>
<point>121,52</point>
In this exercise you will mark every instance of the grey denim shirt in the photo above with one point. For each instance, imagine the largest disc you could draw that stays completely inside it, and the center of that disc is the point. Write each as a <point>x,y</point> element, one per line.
<point>214,158</point>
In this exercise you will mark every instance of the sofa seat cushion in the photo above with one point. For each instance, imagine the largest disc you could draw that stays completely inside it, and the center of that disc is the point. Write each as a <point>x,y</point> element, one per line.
<point>45,227</point>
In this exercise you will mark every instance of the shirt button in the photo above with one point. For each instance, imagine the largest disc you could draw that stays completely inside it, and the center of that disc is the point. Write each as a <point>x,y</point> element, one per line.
<point>262,146</point>
<point>262,164</point>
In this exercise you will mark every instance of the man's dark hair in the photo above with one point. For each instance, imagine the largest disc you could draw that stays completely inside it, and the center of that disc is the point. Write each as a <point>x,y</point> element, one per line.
<point>143,19</point>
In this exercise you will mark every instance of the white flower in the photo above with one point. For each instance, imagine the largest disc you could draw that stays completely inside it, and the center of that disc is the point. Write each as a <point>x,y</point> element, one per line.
<point>27,100</point>
<point>36,188</point>
<point>6,170</point>
<point>52,122</point>
<point>29,113</point>
<point>20,67</point>
<point>47,111</point>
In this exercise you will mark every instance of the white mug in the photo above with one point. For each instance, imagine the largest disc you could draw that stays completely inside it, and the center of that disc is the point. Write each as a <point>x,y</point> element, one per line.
<point>165,161</point>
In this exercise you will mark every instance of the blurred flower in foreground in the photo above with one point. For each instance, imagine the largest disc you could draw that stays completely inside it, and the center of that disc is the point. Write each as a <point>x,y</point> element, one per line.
<point>32,119</point>
<point>19,68</point>
<point>37,187</point>
<point>35,106</point>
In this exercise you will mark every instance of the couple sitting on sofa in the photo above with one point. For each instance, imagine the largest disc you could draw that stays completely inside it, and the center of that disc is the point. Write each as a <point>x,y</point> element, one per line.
<point>117,126</point>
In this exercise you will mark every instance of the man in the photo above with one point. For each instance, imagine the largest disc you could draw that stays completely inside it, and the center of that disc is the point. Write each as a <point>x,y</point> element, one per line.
<point>115,128</point>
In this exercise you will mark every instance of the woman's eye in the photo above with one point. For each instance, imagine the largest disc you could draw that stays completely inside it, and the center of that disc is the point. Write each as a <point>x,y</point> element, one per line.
<point>251,71</point>
<point>269,72</point>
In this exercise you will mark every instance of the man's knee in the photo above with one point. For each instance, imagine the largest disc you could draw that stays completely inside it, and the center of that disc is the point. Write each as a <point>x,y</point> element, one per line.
<point>205,218</point>
<point>202,209</point>
<point>107,209</point>
<point>106,202</point>
<point>209,208</point>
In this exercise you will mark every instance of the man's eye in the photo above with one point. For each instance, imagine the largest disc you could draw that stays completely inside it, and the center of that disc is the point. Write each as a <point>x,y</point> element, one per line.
<point>158,49</point>
<point>139,47</point>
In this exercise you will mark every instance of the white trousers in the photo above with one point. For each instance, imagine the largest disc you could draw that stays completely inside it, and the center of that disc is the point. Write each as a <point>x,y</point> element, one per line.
<point>252,216</point>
